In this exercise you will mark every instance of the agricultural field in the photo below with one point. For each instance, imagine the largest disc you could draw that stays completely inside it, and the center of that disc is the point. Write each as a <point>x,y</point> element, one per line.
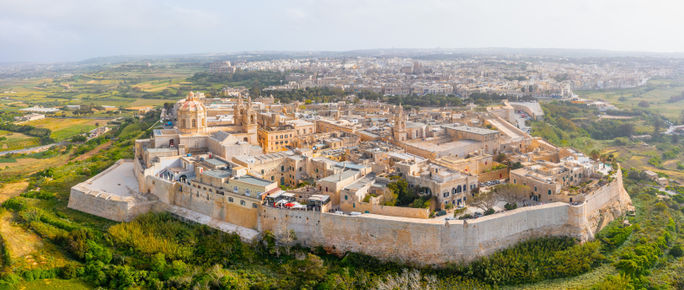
<point>64,128</point>
<point>14,166</point>
<point>119,86</point>
<point>14,140</point>
<point>656,92</point>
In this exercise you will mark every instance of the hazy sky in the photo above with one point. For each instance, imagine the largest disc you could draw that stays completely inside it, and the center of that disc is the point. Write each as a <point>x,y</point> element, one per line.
<point>58,30</point>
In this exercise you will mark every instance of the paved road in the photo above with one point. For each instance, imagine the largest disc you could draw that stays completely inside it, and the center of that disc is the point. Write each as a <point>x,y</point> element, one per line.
<point>33,149</point>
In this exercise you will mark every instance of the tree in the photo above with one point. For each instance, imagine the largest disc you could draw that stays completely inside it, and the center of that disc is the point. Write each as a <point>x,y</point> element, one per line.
<point>308,271</point>
<point>657,125</point>
<point>484,200</point>
<point>501,157</point>
<point>512,193</point>
<point>595,154</point>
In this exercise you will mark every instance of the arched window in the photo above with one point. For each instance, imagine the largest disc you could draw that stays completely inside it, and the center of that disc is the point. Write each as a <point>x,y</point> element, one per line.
<point>458,189</point>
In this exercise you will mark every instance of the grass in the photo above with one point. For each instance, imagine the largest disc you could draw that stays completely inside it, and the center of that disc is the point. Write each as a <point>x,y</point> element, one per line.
<point>14,141</point>
<point>582,281</point>
<point>63,129</point>
<point>27,166</point>
<point>54,284</point>
<point>657,92</point>
<point>12,189</point>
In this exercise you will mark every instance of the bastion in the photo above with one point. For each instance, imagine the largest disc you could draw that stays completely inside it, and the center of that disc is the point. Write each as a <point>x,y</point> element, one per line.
<point>113,194</point>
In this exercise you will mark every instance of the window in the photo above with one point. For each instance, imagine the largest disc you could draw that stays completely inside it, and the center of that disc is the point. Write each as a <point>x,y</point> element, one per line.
<point>194,123</point>
<point>346,197</point>
<point>445,194</point>
<point>535,188</point>
<point>242,202</point>
<point>230,199</point>
<point>247,192</point>
<point>514,181</point>
<point>550,192</point>
<point>254,205</point>
<point>235,189</point>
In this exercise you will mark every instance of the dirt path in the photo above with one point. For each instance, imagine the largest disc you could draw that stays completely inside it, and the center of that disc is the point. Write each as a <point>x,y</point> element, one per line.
<point>94,151</point>
<point>13,189</point>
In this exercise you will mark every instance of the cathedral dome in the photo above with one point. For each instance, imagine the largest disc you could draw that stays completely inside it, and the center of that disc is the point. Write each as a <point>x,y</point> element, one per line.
<point>191,104</point>
<point>192,115</point>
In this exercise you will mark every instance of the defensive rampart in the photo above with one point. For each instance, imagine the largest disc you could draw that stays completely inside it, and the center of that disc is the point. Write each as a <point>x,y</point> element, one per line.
<point>112,194</point>
<point>436,242</point>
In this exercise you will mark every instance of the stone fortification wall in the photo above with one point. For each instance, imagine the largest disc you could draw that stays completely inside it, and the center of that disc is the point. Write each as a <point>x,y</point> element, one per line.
<point>397,211</point>
<point>416,241</point>
<point>602,206</point>
<point>102,204</point>
<point>118,207</point>
<point>438,242</point>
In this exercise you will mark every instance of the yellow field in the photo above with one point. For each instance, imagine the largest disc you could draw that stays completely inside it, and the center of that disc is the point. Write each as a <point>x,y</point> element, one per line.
<point>26,248</point>
<point>157,86</point>
<point>29,166</point>
<point>13,189</point>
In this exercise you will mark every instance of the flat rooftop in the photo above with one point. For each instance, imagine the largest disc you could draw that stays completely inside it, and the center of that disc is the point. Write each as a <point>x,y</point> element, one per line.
<point>217,173</point>
<point>253,180</point>
<point>340,176</point>
<point>118,179</point>
<point>434,146</point>
<point>476,130</point>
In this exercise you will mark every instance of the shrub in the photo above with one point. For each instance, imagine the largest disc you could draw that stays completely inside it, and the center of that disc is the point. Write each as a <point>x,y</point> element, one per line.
<point>14,204</point>
<point>69,271</point>
<point>676,251</point>
<point>510,206</point>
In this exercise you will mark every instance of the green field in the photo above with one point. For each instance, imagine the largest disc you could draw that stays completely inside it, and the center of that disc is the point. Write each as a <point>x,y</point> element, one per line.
<point>63,129</point>
<point>13,141</point>
<point>54,284</point>
<point>656,92</point>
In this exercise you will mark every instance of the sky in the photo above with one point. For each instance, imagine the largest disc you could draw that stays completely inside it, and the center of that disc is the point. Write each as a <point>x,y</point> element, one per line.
<point>71,30</point>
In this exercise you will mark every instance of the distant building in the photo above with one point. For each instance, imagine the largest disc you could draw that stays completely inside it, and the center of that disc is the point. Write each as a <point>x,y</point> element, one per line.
<point>29,117</point>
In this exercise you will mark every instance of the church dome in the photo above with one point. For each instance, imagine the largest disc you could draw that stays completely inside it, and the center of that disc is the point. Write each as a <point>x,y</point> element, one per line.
<point>192,115</point>
<point>191,104</point>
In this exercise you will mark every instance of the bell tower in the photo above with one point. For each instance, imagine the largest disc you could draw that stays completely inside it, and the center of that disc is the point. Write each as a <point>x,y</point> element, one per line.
<point>249,118</point>
<point>399,130</point>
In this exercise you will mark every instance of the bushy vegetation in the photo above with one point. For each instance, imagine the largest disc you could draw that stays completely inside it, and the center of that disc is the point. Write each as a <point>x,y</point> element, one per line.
<point>403,195</point>
<point>42,133</point>
<point>536,260</point>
